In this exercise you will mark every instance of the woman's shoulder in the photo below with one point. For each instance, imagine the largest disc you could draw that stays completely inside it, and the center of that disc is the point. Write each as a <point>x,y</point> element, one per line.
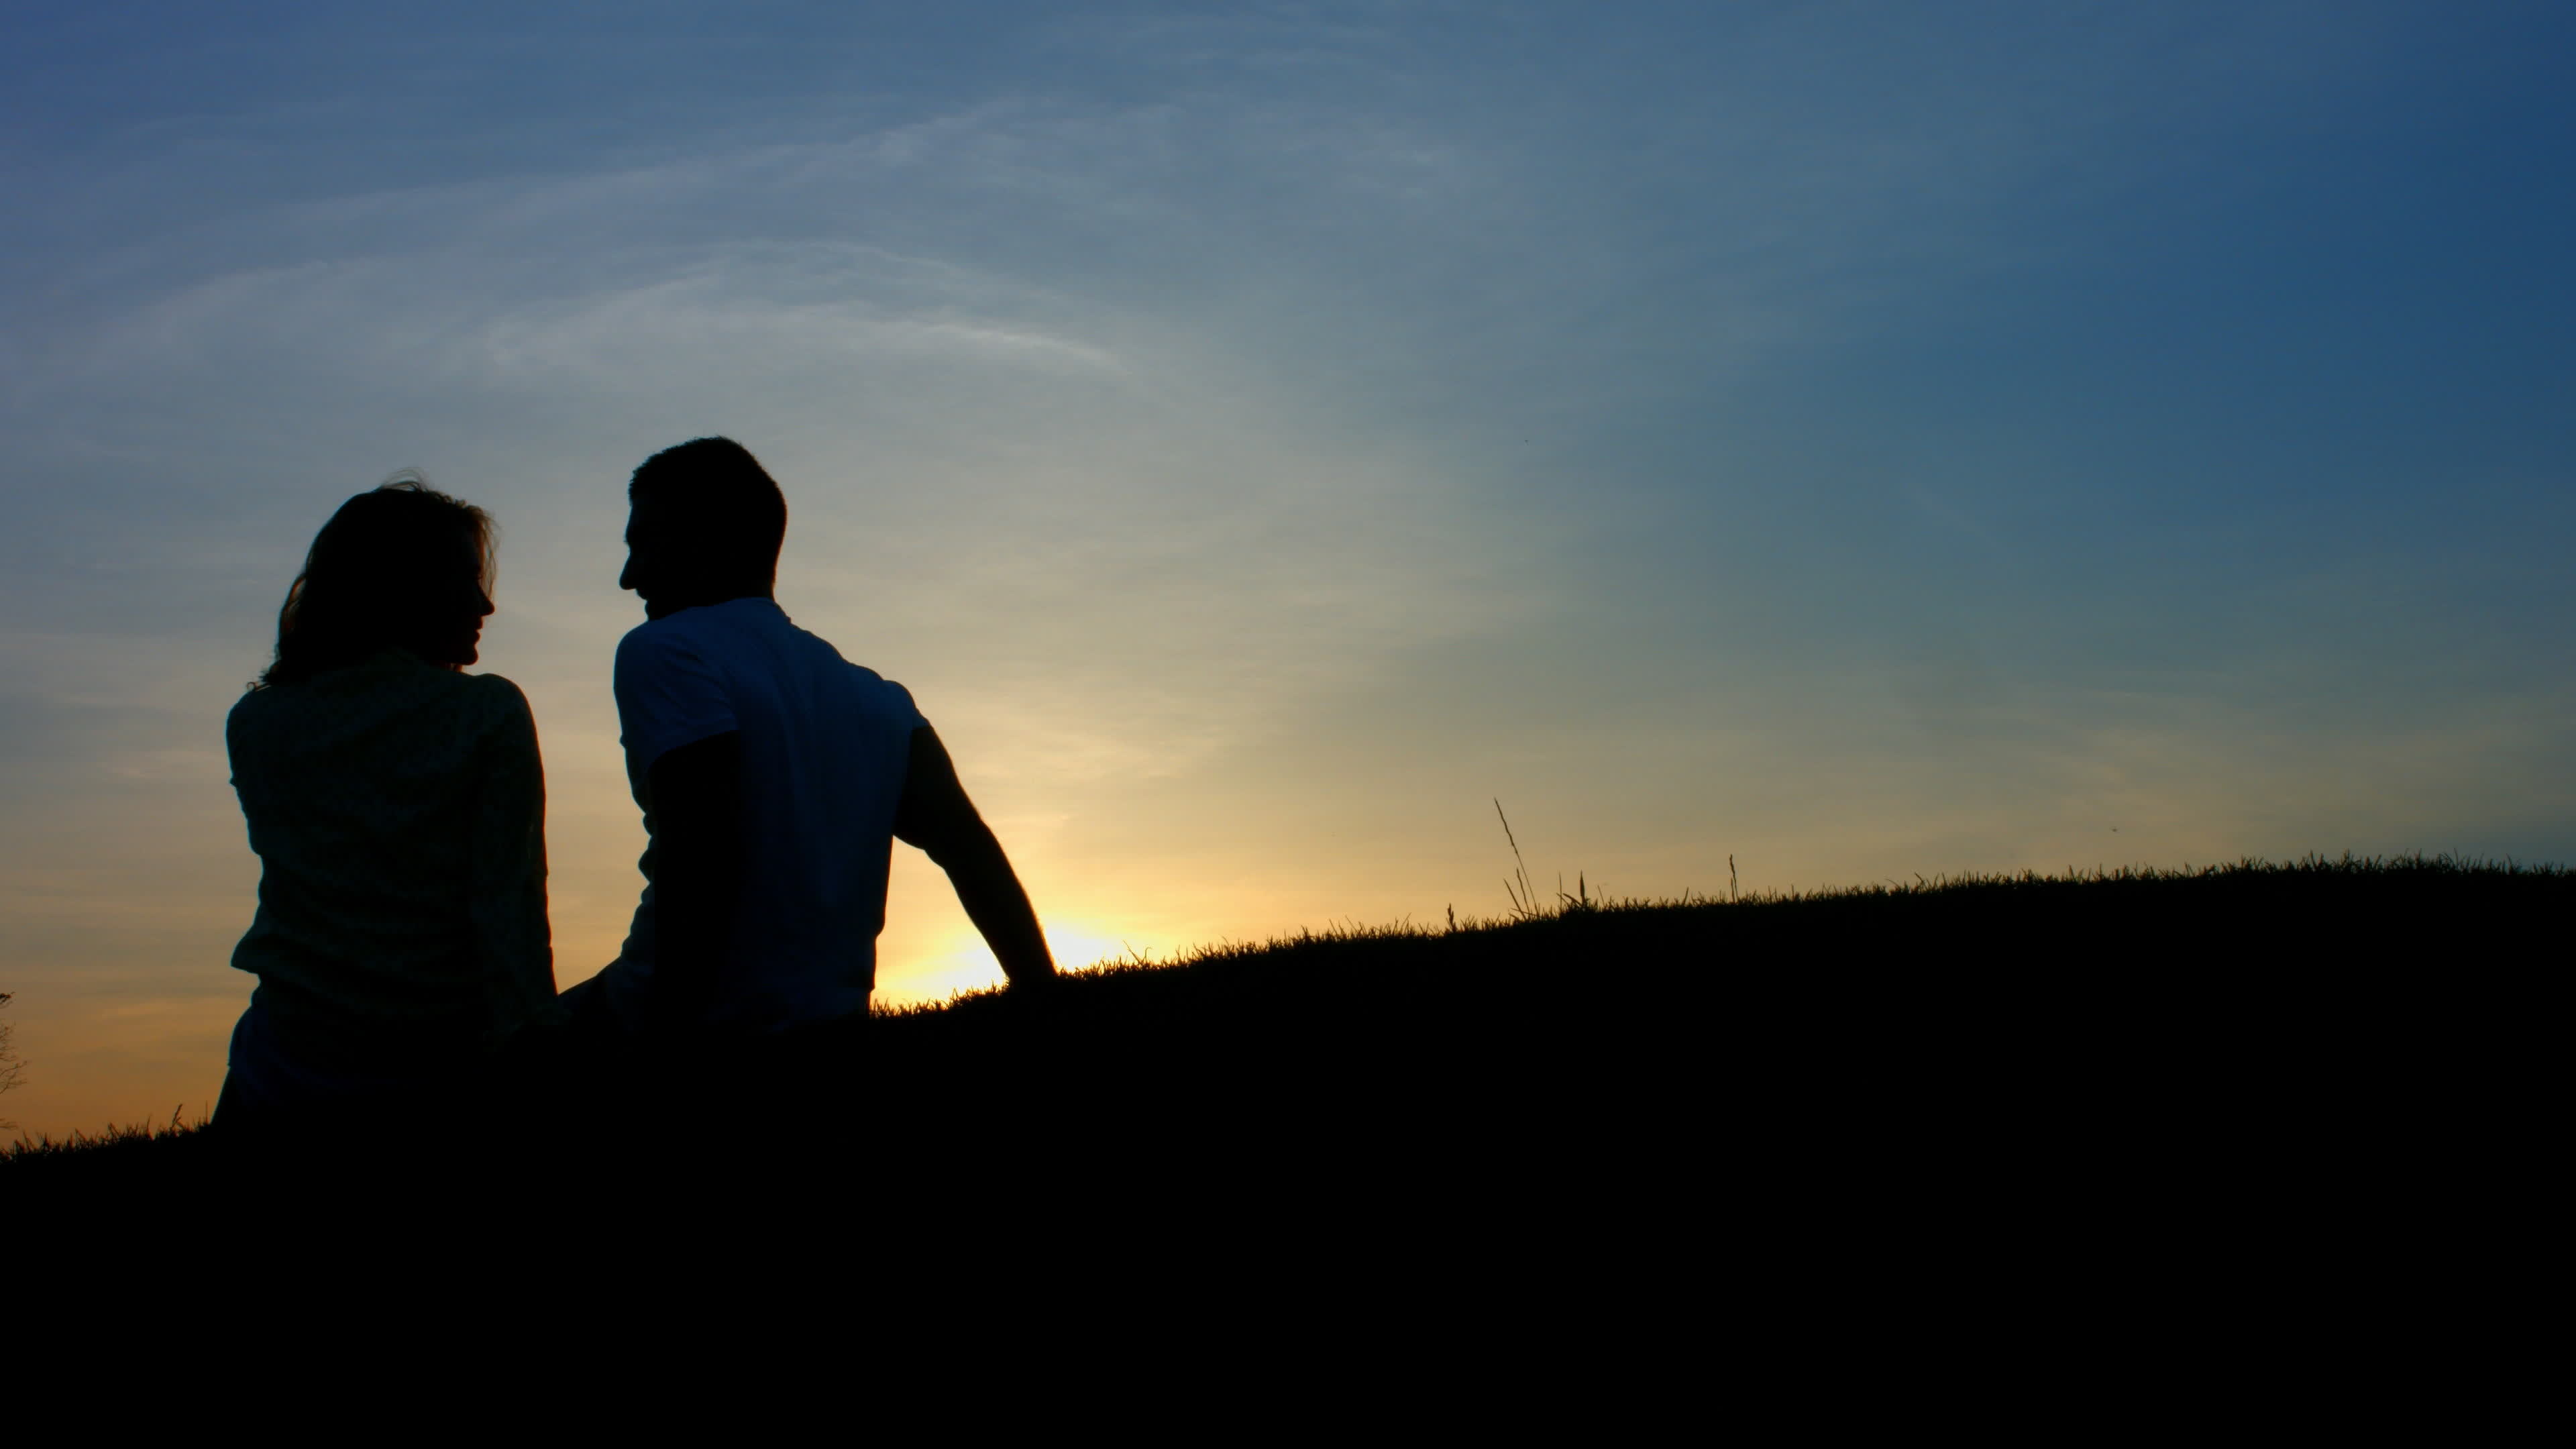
<point>487,686</point>
<point>254,709</point>
<point>378,687</point>
<point>474,711</point>
<point>491,695</point>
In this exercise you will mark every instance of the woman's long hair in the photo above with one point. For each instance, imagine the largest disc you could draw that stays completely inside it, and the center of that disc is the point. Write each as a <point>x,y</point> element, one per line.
<point>370,570</point>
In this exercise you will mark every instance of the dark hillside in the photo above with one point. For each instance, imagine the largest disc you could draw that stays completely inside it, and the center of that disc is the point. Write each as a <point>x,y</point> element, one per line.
<point>2082,1028</point>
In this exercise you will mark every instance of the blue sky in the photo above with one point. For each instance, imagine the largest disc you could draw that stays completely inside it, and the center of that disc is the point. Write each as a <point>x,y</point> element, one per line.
<point>1855,439</point>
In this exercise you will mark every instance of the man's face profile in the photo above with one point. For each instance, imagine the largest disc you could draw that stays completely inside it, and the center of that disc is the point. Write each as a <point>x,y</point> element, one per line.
<point>691,546</point>
<point>652,560</point>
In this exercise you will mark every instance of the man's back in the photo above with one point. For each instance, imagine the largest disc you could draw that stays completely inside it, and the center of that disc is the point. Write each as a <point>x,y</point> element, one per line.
<point>824,746</point>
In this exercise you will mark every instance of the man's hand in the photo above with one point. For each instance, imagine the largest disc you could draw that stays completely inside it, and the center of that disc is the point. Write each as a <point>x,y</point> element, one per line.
<point>936,816</point>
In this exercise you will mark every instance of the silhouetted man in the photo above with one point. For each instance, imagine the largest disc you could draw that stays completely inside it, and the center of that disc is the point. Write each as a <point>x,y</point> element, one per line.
<point>774,776</point>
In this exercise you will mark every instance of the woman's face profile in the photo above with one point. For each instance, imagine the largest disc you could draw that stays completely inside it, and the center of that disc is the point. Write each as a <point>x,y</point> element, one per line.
<point>452,614</point>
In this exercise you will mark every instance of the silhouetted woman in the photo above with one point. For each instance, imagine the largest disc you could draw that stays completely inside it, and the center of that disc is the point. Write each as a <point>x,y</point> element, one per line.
<point>398,809</point>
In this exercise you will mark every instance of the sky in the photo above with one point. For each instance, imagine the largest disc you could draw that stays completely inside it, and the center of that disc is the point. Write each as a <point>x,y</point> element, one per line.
<point>1847,441</point>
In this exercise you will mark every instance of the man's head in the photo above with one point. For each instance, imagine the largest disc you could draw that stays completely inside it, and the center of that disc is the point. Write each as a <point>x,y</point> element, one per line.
<point>704,525</point>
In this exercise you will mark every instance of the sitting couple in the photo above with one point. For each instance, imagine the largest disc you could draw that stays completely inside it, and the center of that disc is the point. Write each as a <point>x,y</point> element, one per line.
<point>398,807</point>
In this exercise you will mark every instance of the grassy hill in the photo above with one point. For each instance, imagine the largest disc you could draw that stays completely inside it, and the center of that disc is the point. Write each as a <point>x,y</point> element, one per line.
<point>1928,1031</point>
<point>2038,1130</point>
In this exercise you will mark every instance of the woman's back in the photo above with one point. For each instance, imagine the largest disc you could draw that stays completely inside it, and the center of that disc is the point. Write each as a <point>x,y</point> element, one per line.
<point>398,810</point>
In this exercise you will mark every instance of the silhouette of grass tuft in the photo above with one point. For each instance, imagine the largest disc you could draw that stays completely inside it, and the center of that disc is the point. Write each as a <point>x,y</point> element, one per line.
<point>111,1138</point>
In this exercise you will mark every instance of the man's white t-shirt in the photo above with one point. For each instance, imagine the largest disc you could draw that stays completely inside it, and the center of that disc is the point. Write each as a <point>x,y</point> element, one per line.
<point>825,745</point>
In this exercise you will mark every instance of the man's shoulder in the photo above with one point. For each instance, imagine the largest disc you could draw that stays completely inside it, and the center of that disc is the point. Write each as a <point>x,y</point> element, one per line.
<point>653,631</point>
<point>855,684</point>
<point>814,652</point>
<point>883,696</point>
<point>708,629</point>
<point>657,644</point>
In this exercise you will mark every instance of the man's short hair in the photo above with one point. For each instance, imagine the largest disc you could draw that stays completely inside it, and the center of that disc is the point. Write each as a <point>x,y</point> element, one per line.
<point>729,502</point>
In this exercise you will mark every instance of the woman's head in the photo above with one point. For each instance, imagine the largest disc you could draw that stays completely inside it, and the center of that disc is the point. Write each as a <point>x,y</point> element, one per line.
<point>400,567</point>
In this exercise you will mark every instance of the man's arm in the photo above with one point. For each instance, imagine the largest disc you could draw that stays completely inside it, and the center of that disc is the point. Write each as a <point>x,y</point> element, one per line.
<point>936,816</point>
<point>697,874</point>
